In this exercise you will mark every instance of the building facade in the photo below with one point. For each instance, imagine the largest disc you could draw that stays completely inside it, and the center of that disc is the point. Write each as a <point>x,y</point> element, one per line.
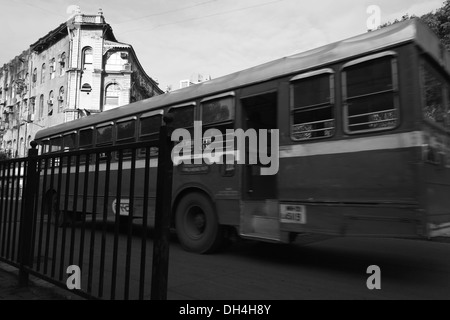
<point>76,70</point>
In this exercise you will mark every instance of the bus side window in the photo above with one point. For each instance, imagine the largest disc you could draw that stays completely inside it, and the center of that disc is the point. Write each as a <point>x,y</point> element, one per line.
<point>56,144</point>
<point>125,133</point>
<point>85,140</point>
<point>370,92</point>
<point>45,146</point>
<point>149,126</point>
<point>69,141</point>
<point>218,113</point>
<point>183,116</point>
<point>312,105</point>
<point>104,136</point>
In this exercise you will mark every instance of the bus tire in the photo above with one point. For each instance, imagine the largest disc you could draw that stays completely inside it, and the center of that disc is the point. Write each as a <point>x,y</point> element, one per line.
<point>197,225</point>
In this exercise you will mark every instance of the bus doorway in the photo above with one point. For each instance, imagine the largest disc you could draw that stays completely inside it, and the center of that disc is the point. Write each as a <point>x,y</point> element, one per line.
<point>259,192</point>
<point>259,112</point>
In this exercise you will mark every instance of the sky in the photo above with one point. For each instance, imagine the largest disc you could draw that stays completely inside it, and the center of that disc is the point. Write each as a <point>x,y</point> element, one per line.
<point>180,39</point>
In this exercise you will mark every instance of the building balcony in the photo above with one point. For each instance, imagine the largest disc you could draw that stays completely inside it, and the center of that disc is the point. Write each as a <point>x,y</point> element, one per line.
<point>86,18</point>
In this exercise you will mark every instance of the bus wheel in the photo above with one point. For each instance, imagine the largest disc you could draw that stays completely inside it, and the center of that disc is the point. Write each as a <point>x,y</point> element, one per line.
<point>197,225</point>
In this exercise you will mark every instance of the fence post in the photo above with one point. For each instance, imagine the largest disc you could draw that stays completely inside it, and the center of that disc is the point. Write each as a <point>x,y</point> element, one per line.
<point>26,220</point>
<point>163,208</point>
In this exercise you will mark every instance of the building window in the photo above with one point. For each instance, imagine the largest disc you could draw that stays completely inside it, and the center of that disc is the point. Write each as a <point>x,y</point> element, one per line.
<point>34,80</point>
<point>43,73</point>
<point>21,148</point>
<point>86,87</point>
<point>52,68</point>
<point>41,106</point>
<point>61,99</point>
<point>27,78</point>
<point>116,61</point>
<point>312,105</point>
<point>112,94</point>
<point>32,106</point>
<point>87,58</point>
<point>62,63</point>
<point>50,103</point>
<point>370,89</point>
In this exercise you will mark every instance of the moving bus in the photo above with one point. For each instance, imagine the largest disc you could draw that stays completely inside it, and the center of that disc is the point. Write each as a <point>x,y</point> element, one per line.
<point>364,144</point>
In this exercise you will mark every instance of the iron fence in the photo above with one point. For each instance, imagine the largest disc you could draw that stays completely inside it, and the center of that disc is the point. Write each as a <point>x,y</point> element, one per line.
<point>85,220</point>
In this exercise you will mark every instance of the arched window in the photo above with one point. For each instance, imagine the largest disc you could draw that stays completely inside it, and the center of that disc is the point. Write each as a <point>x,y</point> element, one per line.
<point>87,58</point>
<point>50,103</point>
<point>62,63</point>
<point>21,148</point>
<point>41,106</point>
<point>61,99</point>
<point>112,93</point>
<point>52,68</point>
<point>43,73</point>
<point>86,87</point>
<point>32,105</point>
<point>34,77</point>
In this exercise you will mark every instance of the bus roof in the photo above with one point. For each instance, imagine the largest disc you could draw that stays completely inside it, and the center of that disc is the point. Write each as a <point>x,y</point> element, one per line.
<point>413,30</point>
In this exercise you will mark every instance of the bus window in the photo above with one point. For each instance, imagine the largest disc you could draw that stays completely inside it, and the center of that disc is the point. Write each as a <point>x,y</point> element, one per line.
<point>312,98</point>
<point>433,86</point>
<point>45,146</point>
<point>125,133</point>
<point>183,116</point>
<point>69,141</point>
<point>86,138</point>
<point>56,144</point>
<point>217,110</point>
<point>126,130</point>
<point>104,134</point>
<point>149,127</point>
<point>149,130</point>
<point>370,94</point>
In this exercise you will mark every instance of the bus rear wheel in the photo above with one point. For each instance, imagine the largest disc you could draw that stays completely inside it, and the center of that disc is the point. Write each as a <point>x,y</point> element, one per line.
<point>197,225</point>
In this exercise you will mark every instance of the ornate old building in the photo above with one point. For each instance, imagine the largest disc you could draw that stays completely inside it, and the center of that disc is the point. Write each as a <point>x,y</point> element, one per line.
<point>77,69</point>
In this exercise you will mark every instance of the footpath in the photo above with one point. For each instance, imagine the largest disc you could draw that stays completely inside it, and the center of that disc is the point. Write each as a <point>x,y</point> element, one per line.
<point>37,289</point>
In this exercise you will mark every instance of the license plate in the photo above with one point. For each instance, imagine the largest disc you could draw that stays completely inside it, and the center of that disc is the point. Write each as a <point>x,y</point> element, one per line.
<point>293,213</point>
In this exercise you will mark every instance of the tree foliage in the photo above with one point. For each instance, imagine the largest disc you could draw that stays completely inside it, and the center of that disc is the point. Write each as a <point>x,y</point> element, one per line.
<point>438,21</point>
